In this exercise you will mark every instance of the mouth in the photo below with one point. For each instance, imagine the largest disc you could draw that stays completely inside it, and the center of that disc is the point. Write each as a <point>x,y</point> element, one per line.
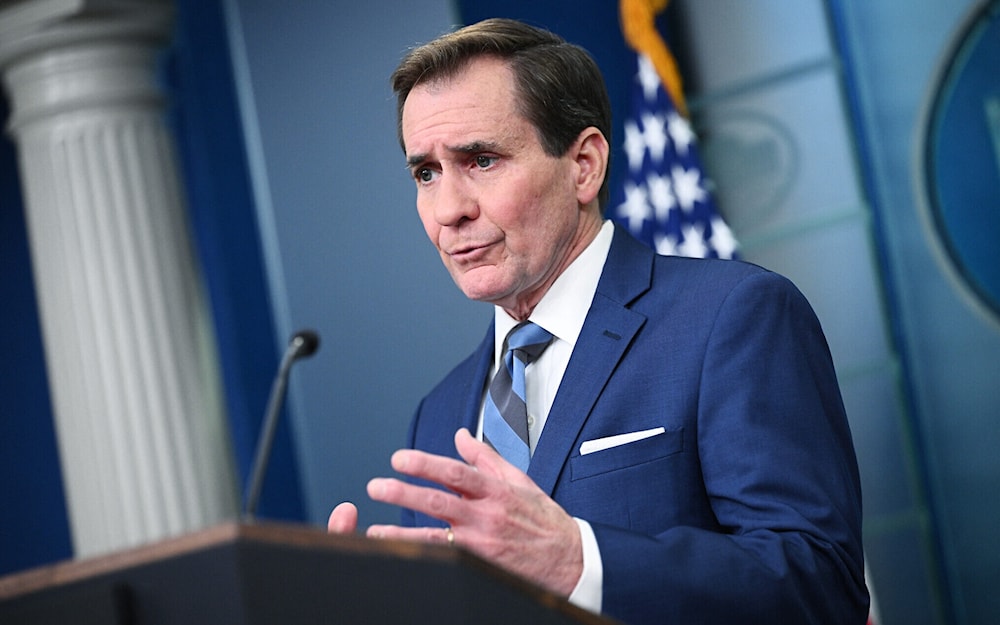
<point>471,253</point>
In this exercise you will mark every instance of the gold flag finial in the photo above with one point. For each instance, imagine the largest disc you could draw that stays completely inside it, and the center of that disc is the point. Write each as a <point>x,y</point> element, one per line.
<point>638,22</point>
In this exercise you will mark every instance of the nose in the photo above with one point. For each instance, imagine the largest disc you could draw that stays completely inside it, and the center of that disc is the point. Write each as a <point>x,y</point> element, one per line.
<point>455,202</point>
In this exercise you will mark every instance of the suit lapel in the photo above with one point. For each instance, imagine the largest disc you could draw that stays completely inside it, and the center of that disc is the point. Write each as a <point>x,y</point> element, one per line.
<point>607,332</point>
<point>483,359</point>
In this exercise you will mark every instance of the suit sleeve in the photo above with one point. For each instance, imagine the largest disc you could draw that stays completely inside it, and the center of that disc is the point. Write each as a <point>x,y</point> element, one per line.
<point>780,473</point>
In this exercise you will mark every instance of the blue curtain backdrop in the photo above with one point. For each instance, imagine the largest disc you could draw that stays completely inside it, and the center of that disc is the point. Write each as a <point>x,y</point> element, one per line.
<point>33,525</point>
<point>206,116</point>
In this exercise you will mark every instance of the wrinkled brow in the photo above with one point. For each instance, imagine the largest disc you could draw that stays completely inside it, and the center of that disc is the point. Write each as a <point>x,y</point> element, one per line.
<point>474,147</point>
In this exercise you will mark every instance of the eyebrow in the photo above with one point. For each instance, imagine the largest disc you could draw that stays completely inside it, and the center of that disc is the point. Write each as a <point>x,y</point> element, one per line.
<point>474,147</point>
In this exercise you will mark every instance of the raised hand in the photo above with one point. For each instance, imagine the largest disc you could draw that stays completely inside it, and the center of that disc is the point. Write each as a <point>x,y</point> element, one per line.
<point>494,510</point>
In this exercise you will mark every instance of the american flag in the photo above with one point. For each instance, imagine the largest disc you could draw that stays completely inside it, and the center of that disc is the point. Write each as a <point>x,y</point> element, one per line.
<point>664,200</point>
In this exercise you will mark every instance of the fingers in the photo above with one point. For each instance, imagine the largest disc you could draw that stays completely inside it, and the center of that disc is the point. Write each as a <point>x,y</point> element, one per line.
<point>485,459</point>
<point>484,474</point>
<point>343,519</point>
<point>437,535</point>
<point>471,478</point>
<point>455,475</point>
<point>431,501</point>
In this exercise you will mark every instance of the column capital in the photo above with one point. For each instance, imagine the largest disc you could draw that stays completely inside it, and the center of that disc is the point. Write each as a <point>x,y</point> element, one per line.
<point>59,55</point>
<point>28,26</point>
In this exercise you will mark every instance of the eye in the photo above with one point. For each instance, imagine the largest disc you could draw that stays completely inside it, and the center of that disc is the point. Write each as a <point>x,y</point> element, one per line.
<point>484,161</point>
<point>425,175</point>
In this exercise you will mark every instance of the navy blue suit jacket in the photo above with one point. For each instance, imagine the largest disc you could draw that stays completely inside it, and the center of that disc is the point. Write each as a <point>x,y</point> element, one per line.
<point>747,509</point>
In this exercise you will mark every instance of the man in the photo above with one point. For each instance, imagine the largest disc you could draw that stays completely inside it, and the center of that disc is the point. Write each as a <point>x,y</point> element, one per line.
<point>690,460</point>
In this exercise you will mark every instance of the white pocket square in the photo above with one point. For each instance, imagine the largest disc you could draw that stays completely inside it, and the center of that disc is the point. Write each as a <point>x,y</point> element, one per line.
<point>600,444</point>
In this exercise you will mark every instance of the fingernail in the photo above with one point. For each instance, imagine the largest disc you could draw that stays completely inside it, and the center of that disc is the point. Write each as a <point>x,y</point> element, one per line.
<point>399,460</point>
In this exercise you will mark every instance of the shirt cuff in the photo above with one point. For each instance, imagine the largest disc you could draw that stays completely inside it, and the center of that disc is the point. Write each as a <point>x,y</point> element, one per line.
<point>590,587</point>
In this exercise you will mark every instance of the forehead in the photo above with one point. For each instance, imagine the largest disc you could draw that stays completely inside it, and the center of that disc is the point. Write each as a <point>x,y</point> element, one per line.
<point>479,99</point>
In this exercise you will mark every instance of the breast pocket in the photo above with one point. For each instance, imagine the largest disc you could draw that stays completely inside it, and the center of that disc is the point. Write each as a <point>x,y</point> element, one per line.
<point>632,454</point>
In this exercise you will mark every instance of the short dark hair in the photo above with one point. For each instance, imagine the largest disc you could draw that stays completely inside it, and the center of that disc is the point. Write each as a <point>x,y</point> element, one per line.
<point>560,90</point>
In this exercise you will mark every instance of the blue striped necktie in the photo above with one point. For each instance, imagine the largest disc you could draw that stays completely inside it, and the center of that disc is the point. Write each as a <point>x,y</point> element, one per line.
<point>505,418</point>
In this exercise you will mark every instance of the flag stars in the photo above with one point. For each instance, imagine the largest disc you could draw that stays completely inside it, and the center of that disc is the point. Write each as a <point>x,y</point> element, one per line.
<point>665,201</point>
<point>687,187</point>
<point>635,209</point>
<point>665,244</point>
<point>722,238</point>
<point>635,145</point>
<point>661,195</point>
<point>648,78</point>
<point>693,245</point>
<point>655,136</point>
<point>680,132</point>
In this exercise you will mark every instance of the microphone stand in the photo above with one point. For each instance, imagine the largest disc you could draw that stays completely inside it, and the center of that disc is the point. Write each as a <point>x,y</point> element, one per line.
<point>302,345</point>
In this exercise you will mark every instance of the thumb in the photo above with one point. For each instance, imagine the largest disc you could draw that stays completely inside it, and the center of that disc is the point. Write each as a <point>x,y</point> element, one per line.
<point>343,519</point>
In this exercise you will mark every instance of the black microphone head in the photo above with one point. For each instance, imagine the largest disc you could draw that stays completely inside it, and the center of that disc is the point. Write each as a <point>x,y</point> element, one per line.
<point>307,342</point>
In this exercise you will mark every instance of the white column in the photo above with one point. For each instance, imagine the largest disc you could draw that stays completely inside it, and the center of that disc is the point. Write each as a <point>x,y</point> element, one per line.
<point>129,348</point>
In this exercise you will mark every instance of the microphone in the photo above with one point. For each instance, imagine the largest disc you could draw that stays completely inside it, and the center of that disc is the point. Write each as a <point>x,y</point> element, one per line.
<point>303,344</point>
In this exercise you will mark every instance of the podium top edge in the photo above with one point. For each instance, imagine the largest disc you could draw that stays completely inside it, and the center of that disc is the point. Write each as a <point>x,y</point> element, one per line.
<point>279,535</point>
<point>299,536</point>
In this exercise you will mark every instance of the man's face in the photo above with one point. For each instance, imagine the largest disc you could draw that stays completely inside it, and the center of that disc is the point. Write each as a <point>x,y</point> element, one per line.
<point>503,214</point>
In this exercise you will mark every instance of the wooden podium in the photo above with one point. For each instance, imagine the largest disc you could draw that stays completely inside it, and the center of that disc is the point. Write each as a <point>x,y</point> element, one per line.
<point>238,574</point>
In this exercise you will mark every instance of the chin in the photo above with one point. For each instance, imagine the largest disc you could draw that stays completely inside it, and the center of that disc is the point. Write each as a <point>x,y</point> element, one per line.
<point>478,289</point>
<point>479,293</point>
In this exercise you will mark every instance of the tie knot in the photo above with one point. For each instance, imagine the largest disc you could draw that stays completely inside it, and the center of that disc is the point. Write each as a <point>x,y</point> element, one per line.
<point>528,341</point>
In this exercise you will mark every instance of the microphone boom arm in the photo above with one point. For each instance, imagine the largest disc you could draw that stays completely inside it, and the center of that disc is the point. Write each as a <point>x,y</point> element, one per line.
<point>303,344</point>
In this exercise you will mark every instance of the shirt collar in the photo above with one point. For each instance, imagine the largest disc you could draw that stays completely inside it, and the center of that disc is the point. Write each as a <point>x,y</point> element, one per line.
<point>564,307</point>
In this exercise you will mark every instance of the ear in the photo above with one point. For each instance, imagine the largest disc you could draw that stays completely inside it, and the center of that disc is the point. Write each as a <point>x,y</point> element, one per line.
<point>591,157</point>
